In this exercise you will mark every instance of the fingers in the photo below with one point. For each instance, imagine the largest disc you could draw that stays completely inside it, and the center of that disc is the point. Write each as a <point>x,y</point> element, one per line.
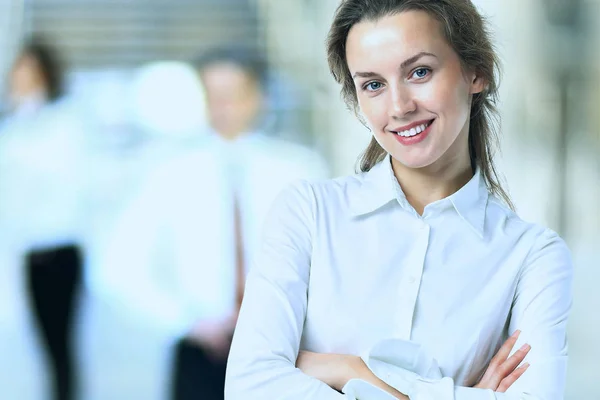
<point>509,365</point>
<point>512,378</point>
<point>505,350</point>
<point>503,370</point>
<point>498,359</point>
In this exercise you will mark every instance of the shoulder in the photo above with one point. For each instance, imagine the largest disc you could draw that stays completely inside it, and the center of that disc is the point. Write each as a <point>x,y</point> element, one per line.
<point>543,246</point>
<point>324,195</point>
<point>340,189</point>
<point>501,218</point>
<point>550,253</point>
<point>304,204</point>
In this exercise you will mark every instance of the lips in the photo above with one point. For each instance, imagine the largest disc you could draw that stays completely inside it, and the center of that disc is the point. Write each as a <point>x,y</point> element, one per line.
<point>413,129</point>
<point>414,133</point>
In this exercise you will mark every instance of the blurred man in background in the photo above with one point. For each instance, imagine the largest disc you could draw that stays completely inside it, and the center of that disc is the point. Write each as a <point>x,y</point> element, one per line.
<point>182,249</point>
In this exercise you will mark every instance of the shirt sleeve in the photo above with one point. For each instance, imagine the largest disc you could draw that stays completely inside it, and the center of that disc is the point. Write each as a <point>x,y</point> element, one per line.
<point>540,309</point>
<point>266,342</point>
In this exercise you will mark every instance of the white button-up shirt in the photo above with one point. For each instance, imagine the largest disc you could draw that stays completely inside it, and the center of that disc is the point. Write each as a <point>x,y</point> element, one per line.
<point>42,178</point>
<point>171,257</point>
<point>348,266</point>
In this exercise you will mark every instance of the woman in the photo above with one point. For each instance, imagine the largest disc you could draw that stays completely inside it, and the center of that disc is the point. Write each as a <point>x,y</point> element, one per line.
<point>41,205</point>
<point>36,79</point>
<point>405,280</point>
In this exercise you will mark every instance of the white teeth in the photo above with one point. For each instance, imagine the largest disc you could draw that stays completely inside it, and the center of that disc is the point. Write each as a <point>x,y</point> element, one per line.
<point>413,131</point>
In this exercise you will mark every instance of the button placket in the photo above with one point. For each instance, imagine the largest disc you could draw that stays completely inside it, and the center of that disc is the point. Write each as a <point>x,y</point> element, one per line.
<point>410,285</point>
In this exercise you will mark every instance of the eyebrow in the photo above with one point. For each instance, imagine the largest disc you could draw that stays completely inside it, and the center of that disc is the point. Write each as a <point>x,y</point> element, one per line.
<point>404,64</point>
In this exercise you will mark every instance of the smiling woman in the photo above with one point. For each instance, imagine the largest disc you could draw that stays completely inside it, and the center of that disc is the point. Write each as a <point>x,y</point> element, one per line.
<point>405,280</point>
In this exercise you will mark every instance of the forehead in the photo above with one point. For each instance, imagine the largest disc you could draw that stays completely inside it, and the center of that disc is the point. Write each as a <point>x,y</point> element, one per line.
<point>399,35</point>
<point>26,60</point>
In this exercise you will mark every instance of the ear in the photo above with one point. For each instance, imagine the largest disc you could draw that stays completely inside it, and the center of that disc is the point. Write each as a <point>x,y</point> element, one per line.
<point>478,84</point>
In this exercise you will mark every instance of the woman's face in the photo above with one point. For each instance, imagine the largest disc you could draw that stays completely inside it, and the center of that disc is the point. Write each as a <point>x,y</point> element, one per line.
<point>412,89</point>
<point>26,80</point>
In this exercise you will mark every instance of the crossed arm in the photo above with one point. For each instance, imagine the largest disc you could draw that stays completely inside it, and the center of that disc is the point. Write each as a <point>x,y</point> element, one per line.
<point>336,370</point>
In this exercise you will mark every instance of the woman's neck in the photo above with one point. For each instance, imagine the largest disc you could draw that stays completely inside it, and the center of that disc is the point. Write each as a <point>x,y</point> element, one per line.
<point>423,186</point>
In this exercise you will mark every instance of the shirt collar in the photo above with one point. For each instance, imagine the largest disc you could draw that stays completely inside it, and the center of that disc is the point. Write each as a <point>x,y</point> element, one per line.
<point>376,189</point>
<point>470,202</point>
<point>379,186</point>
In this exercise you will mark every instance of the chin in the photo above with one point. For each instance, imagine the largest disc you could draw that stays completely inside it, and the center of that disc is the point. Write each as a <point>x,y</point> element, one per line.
<point>414,164</point>
<point>414,161</point>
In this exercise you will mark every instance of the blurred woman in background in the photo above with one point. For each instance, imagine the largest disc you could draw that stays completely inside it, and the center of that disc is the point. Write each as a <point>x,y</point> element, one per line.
<point>36,79</point>
<point>41,202</point>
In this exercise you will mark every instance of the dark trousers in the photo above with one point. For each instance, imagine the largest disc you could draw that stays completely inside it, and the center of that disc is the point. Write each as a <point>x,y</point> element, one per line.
<point>195,375</point>
<point>53,282</point>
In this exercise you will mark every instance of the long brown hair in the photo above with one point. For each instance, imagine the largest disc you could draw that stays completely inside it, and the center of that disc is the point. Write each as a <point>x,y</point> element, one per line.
<point>49,63</point>
<point>467,33</point>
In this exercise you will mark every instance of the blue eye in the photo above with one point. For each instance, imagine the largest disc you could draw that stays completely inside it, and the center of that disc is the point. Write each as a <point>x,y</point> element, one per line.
<point>421,73</point>
<point>373,86</point>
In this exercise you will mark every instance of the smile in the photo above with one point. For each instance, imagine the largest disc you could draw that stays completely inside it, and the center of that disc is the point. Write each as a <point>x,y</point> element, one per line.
<point>414,130</point>
<point>414,133</point>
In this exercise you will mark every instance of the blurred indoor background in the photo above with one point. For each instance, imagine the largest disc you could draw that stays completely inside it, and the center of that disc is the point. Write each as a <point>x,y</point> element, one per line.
<point>132,103</point>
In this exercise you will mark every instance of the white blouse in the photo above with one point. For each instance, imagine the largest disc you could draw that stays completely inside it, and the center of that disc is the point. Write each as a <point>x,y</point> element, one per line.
<point>348,266</point>
<point>43,181</point>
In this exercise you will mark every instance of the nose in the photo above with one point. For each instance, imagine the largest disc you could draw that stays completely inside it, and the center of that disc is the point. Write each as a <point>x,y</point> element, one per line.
<point>403,102</point>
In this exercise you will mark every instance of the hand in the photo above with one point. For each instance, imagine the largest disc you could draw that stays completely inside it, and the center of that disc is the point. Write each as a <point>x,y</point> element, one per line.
<point>503,372</point>
<point>337,369</point>
<point>214,336</point>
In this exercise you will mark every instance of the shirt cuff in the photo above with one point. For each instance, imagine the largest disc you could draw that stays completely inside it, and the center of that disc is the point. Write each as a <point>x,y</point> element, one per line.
<point>442,389</point>
<point>405,366</point>
<point>357,389</point>
<point>467,393</point>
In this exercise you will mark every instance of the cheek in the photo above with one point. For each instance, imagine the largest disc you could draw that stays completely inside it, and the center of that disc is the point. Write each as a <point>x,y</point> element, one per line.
<point>436,96</point>
<point>448,100</point>
<point>461,106</point>
<point>247,111</point>
<point>373,110</point>
<point>430,96</point>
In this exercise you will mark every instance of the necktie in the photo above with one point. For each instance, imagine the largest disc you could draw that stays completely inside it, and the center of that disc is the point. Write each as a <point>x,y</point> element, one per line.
<point>235,181</point>
<point>239,256</point>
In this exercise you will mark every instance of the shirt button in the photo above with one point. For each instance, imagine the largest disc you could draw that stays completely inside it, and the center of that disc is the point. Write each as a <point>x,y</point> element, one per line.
<point>411,279</point>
